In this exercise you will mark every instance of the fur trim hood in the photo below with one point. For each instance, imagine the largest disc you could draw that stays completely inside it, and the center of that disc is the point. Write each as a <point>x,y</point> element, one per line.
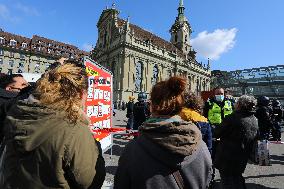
<point>173,134</point>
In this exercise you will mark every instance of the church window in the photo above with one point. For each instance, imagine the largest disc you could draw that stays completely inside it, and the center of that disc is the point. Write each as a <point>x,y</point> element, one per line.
<point>138,76</point>
<point>113,68</point>
<point>185,38</point>
<point>169,73</point>
<point>176,38</point>
<point>155,74</point>
<point>105,39</point>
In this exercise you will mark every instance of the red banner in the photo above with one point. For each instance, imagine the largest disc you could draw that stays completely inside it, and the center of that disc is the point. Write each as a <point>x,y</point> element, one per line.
<point>98,105</point>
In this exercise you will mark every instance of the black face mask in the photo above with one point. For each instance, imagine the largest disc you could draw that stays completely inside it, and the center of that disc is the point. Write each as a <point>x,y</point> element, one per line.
<point>27,90</point>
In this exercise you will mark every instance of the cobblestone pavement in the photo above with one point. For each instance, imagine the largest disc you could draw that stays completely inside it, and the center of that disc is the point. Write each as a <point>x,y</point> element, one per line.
<point>257,177</point>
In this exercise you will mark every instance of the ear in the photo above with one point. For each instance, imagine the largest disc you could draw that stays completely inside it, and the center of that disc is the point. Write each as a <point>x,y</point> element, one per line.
<point>8,88</point>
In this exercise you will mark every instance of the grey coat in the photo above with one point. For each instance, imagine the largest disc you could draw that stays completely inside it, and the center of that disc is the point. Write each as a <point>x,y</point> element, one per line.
<point>164,147</point>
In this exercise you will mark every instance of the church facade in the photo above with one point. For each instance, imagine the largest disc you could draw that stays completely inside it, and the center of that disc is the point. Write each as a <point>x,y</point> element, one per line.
<point>138,58</point>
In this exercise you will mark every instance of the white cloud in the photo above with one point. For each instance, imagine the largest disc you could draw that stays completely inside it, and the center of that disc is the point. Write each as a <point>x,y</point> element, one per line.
<point>87,47</point>
<point>27,10</point>
<point>213,45</point>
<point>5,14</point>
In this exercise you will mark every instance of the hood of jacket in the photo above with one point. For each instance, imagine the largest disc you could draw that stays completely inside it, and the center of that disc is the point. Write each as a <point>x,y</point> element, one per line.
<point>30,124</point>
<point>172,134</point>
<point>188,114</point>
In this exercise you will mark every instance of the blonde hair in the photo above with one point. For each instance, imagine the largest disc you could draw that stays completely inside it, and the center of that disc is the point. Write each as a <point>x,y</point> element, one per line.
<point>62,88</point>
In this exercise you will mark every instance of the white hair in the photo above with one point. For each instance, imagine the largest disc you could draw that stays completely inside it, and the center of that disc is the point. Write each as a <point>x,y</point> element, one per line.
<point>247,103</point>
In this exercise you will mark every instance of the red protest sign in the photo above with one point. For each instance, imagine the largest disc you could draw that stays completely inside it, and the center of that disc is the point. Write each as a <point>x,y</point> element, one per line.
<point>98,106</point>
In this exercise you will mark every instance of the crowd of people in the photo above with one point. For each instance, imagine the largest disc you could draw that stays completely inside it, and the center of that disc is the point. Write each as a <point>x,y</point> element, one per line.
<point>228,127</point>
<point>46,143</point>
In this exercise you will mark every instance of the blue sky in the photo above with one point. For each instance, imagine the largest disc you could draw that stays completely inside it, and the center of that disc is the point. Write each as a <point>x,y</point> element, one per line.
<point>235,34</point>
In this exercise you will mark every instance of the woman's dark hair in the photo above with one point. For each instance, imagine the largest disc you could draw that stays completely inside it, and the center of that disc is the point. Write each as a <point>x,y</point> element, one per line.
<point>193,101</point>
<point>6,80</point>
<point>167,96</point>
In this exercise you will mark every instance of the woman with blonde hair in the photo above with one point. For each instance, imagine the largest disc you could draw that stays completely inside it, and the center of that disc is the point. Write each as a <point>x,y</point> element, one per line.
<point>47,142</point>
<point>169,153</point>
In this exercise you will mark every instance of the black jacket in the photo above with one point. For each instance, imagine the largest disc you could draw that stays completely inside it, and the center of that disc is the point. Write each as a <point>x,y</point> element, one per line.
<point>163,148</point>
<point>237,134</point>
<point>130,109</point>
<point>6,98</point>
<point>264,116</point>
<point>140,112</point>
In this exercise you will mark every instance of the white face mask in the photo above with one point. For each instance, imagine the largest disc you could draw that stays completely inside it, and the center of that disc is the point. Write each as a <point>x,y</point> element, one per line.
<point>219,98</point>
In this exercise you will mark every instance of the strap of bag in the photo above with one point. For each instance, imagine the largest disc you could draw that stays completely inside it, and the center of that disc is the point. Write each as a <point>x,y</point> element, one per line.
<point>179,179</point>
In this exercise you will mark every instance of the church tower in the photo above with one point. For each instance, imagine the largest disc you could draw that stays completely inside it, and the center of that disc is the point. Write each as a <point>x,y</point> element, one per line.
<point>181,31</point>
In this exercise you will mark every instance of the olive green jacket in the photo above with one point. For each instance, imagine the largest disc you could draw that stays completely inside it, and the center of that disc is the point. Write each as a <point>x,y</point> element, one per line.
<point>42,150</point>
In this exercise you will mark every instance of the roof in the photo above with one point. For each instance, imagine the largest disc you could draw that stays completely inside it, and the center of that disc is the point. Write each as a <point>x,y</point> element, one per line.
<point>155,40</point>
<point>55,48</point>
<point>20,39</point>
<point>44,46</point>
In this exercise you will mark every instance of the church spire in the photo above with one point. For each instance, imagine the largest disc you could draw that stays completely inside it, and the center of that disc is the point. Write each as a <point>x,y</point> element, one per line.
<point>181,8</point>
<point>181,30</point>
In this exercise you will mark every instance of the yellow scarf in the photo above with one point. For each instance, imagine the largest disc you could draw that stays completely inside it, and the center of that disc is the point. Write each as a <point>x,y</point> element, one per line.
<point>188,114</point>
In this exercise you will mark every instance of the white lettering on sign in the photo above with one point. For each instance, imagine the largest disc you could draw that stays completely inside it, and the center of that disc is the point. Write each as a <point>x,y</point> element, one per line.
<point>107,96</point>
<point>90,92</point>
<point>106,123</point>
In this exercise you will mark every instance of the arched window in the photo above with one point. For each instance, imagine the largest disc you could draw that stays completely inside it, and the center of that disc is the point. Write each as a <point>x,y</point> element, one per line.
<point>176,38</point>
<point>169,72</point>
<point>105,39</point>
<point>185,38</point>
<point>112,68</point>
<point>155,74</point>
<point>138,76</point>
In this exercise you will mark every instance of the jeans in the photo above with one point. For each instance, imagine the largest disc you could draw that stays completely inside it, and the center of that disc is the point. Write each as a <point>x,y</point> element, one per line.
<point>130,123</point>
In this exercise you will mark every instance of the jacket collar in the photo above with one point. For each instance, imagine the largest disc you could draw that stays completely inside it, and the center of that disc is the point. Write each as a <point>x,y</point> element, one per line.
<point>7,94</point>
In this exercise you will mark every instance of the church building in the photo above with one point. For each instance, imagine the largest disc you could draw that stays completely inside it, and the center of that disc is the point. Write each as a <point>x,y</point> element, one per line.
<point>138,58</point>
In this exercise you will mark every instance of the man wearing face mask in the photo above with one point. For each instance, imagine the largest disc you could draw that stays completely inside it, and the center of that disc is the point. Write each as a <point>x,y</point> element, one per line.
<point>215,110</point>
<point>218,107</point>
<point>12,87</point>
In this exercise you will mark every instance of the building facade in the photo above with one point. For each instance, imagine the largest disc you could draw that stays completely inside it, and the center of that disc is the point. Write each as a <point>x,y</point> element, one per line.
<point>263,81</point>
<point>138,58</point>
<point>19,54</point>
